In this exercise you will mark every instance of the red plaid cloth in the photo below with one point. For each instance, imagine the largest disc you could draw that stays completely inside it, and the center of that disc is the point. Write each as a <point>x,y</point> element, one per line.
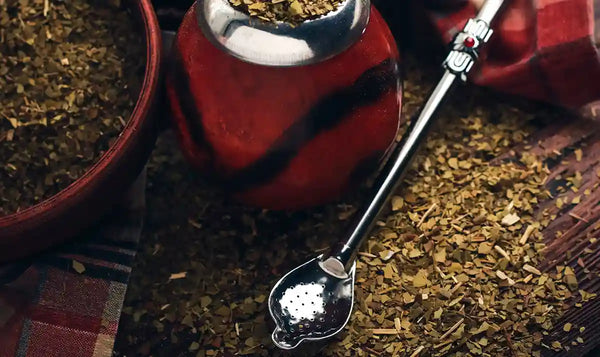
<point>542,49</point>
<point>52,310</point>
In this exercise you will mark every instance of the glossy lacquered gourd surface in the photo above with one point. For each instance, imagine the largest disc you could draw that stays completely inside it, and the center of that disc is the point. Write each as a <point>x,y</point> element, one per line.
<point>285,137</point>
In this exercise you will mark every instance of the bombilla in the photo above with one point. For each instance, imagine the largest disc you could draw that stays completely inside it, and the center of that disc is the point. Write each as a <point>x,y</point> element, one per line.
<point>281,44</point>
<point>314,301</point>
<point>464,53</point>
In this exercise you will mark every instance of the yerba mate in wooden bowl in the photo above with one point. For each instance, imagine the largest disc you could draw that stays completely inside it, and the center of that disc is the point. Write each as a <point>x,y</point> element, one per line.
<point>78,82</point>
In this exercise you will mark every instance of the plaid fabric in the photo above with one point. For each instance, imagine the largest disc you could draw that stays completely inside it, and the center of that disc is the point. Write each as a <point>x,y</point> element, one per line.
<point>542,49</point>
<point>53,310</point>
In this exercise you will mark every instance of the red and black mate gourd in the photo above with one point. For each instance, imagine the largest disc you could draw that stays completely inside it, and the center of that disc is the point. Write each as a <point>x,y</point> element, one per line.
<point>285,137</point>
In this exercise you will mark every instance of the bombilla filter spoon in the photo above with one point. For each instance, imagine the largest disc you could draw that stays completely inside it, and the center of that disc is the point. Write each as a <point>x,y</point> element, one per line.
<point>314,301</point>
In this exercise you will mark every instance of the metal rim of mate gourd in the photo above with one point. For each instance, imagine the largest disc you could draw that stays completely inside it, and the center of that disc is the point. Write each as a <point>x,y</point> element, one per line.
<point>281,44</point>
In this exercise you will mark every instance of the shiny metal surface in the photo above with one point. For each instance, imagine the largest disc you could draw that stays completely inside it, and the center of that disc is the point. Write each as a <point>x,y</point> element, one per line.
<point>281,44</point>
<point>462,57</point>
<point>391,174</point>
<point>489,10</point>
<point>314,301</point>
<point>400,159</point>
<point>308,304</point>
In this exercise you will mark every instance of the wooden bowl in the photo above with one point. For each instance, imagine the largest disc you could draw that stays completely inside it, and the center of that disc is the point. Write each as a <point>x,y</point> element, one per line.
<point>86,200</point>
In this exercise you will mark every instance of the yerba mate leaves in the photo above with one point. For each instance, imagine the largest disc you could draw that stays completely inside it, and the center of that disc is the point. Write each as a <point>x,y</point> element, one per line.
<point>70,72</point>
<point>457,265</point>
<point>290,11</point>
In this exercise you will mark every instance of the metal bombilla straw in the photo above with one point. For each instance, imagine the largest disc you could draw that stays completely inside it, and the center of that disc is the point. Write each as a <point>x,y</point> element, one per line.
<point>314,301</point>
<point>465,51</point>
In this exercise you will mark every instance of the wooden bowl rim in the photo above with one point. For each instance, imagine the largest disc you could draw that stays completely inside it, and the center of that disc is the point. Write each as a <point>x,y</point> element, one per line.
<point>140,113</point>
